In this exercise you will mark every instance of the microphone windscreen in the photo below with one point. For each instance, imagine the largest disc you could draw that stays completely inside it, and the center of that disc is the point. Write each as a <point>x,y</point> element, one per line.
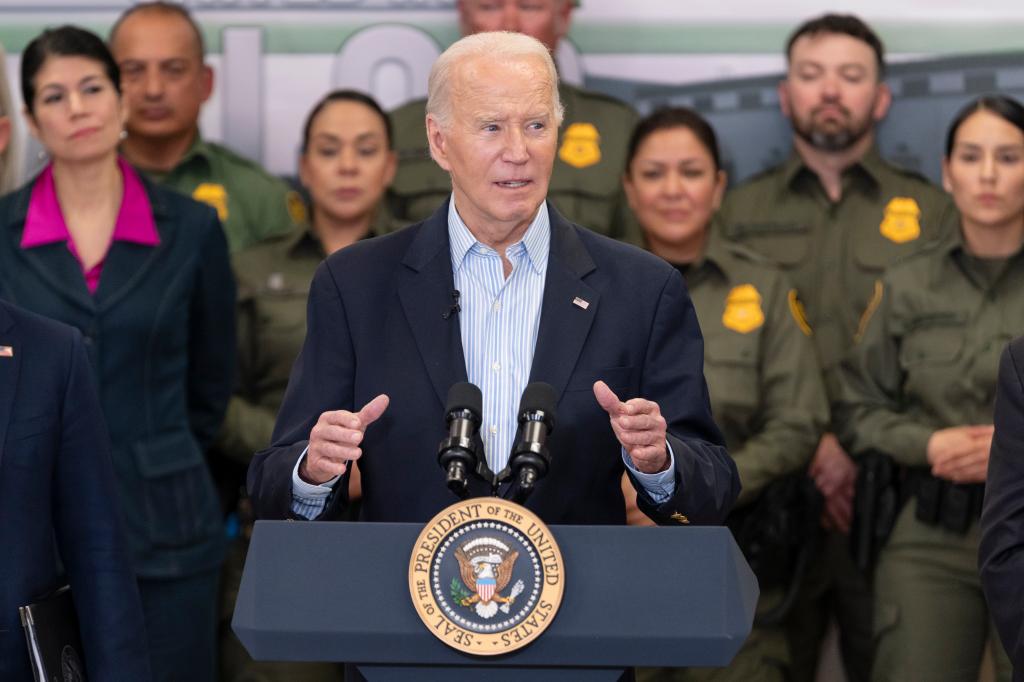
<point>539,397</point>
<point>465,396</point>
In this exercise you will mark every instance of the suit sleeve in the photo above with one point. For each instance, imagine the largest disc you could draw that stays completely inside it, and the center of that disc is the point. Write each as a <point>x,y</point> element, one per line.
<point>322,379</point>
<point>90,535</point>
<point>673,376</point>
<point>211,359</point>
<point>1001,551</point>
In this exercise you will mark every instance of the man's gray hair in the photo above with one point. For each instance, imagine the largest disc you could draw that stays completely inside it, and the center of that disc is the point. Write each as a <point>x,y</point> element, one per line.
<point>501,45</point>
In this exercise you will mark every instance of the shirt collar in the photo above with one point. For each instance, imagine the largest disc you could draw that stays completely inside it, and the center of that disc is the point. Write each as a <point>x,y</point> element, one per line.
<point>870,166</point>
<point>536,240</point>
<point>44,221</point>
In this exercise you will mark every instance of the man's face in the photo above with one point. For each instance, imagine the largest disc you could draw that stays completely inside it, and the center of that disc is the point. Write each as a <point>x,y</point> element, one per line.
<point>832,94</point>
<point>500,144</point>
<point>545,20</point>
<point>163,75</point>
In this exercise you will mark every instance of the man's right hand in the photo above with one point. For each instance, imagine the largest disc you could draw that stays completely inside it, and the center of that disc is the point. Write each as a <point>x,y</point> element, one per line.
<point>835,475</point>
<point>334,441</point>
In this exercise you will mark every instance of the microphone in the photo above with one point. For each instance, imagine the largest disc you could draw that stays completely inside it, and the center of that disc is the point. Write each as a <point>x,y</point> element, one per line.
<point>457,454</point>
<point>453,309</point>
<point>530,459</point>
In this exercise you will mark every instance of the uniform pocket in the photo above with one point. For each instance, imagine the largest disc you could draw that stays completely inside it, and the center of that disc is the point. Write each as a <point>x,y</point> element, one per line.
<point>179,500</point>
<point>783,243</point>
<point>936,339</point>
<point>730,368</point>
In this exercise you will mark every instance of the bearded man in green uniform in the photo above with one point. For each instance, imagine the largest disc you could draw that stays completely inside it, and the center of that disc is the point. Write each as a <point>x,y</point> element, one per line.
<point>834,217</point>
<point>160,51</point>
<point>592,141</point>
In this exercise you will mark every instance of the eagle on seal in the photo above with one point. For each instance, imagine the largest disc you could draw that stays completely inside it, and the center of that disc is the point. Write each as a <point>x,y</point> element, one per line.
<point>486,579</point>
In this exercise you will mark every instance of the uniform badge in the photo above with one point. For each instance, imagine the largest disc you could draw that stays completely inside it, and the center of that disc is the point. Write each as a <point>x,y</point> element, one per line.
<point>296,207</point>
<point>902,220</point>
<point>486,576</point>
<point>799,313</point>
<point>743,312</point>
<point>214,195</point>
<point>581,145</point>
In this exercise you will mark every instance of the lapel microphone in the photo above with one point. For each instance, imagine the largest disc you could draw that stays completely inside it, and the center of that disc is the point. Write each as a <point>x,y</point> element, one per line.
<point>454,308</point>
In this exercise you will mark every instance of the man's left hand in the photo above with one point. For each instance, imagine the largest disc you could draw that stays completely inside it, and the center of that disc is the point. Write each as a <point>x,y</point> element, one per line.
<point>639,427</point>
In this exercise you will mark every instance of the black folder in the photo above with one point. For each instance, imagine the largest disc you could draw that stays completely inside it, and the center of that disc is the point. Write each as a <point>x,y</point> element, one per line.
<point>54,643</point>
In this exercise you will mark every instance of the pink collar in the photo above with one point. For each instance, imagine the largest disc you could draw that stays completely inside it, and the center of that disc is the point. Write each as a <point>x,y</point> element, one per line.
<point>44,222</point>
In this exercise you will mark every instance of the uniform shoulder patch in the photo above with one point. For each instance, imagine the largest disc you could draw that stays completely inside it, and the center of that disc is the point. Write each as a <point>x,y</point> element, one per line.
<point>581,145</point>
<point>799,313</point>
<point>743,311</point>
<point>901,222</point>
<point>296,207</point>
<point>213,194</point>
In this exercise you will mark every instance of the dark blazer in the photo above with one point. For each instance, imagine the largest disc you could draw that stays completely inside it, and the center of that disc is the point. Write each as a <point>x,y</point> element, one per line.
<point>160,336</point>
<point>375,325</point>
<point>1001,551</point>
<point>56,482</point>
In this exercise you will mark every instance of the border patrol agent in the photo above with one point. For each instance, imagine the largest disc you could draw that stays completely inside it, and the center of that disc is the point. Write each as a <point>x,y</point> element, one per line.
<point>834,217</point>
<point>585,183</point>
<point>929,360</point>
<point>160,51</point>
<point>919,388</point>
<point>763,378</point>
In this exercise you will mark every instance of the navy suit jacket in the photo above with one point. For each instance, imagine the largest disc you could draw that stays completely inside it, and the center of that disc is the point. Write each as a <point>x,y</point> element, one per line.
<point>56,481</point>
<point>1001,551</point>
<point>159,333</point>
<point>376,325</point>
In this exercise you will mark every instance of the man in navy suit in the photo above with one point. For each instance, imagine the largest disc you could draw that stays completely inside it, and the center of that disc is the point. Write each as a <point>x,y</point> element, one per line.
<point>498,289</point>
<point>1001,552</point>
<point>57,481</point>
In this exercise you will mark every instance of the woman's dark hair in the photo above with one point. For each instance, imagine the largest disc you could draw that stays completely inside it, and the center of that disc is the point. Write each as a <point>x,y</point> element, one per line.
<point>64,41</point>
<point>674,117</point>
<point>1006,108</point>
<point>346,96</point>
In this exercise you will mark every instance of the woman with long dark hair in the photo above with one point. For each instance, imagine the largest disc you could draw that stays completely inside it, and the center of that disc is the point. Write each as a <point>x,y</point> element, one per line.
<point>144,274</point>
<point>919,387</point>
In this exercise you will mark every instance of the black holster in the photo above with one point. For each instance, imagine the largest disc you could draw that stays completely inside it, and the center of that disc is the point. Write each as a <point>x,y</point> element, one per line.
<point>778,536</point>
<point>953,506</point>
<point>879,496</point>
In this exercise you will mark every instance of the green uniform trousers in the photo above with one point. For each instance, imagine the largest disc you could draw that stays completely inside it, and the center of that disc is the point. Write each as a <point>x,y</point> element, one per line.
<point>931,620</point>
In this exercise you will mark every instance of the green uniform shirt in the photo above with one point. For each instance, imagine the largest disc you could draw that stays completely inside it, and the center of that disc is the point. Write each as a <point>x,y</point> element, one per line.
<point>273,285</point>
<point>251,203</point>
<point>835,252</point>
<point>586,182</point>
<point>763,377</point>
<point>929,357</point>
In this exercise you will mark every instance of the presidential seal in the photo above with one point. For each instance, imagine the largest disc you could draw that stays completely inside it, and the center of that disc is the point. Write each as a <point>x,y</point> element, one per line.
<point>486,576</point>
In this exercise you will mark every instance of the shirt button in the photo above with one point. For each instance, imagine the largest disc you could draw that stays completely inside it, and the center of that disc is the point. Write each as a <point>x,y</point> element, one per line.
<point>497,306</point>
<point>494,430</point>
<point>496,366</point>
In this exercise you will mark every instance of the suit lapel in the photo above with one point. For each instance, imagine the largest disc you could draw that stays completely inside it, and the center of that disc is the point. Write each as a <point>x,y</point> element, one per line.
<point>425,288</point>
<point>8,373</point>
<point>123,266</point>
<point>126,262</point>
<point>568,308</point>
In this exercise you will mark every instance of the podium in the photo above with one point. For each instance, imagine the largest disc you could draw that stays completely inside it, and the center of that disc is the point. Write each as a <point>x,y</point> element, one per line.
<point>634,596</point>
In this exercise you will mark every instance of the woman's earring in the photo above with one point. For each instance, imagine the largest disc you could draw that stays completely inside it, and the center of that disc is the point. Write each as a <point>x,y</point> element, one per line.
<point>43,155</point>
<point>124,134</point>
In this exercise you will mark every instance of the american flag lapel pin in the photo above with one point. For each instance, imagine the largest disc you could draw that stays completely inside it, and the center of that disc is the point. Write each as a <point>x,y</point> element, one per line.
<point>580,303</point>
<point>6,351</point>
